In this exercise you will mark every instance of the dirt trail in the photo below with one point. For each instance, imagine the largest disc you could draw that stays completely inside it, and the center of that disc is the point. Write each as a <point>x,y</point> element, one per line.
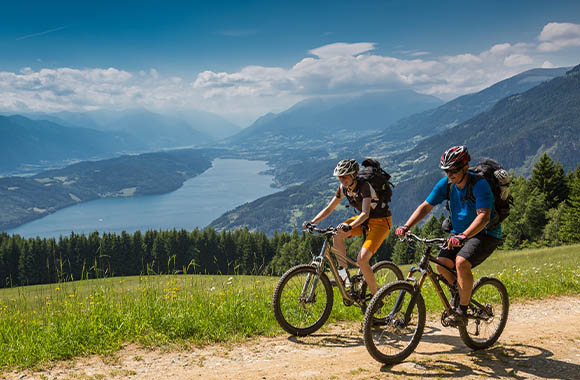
<point>541,341</point>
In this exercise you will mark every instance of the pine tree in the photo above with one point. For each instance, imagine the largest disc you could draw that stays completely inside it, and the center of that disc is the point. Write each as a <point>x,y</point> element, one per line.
<point>549,178</point>
<point>527,215</point>
<point>570,222</point>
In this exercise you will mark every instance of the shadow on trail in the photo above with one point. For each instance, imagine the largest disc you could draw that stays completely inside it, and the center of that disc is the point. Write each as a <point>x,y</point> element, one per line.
<point>517,361</point>
<point>328,340</point>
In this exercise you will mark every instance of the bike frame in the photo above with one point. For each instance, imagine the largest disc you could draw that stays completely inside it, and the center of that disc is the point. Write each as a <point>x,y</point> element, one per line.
<point>427,272</point>
<point>326,256</point>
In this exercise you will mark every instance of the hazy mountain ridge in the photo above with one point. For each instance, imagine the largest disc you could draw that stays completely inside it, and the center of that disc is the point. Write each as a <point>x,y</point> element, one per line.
<point>456,111</point>
<point>148,130</point>
<point>330,120</point>
<point>30,142</point>
<point>41,140</point>
<point>209,126</point>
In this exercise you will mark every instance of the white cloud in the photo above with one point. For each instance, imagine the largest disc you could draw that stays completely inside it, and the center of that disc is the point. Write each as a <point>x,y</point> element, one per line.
<point>557,36</point>
<point>462,59</point>
<point>341,49</point>
<point>548,65</point>
<point>244,95</point>
<point>419,53</point>
<point>518,60</point>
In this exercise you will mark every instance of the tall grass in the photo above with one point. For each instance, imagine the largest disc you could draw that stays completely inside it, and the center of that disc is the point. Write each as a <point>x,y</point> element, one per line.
<point>60,321</point>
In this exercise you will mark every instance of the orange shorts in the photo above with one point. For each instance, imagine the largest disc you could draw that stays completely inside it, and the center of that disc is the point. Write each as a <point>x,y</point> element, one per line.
<point>378,231</point>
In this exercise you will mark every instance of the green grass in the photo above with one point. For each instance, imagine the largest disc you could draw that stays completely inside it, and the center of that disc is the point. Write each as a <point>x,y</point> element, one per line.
<point>43,323</point>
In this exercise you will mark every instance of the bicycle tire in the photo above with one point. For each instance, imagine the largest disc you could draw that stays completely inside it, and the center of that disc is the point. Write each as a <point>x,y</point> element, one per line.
<point>492,294</point>
<point>294,315</point>
<point>385,342</point>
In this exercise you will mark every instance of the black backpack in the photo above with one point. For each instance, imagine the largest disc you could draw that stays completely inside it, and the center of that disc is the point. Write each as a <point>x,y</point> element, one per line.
<point>379,179</point>
<point>498,180</point>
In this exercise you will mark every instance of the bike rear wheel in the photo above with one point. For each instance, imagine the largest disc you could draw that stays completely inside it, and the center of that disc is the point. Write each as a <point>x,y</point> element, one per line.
<point>488,313</point>
<point>401,324</point>
<point>302,300</point>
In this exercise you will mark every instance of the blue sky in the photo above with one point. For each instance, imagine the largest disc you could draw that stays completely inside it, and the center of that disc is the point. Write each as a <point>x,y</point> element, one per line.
<point>244,58</point>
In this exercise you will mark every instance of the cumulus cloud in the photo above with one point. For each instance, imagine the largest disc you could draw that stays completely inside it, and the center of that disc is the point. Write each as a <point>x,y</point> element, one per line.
<point>517,60</point>
<point>557,36</point>
<point>242,96</point>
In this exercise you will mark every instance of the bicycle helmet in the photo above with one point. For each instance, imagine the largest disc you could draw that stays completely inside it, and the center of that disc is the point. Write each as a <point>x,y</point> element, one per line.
<point>346,167</point>
<point>455,157</point>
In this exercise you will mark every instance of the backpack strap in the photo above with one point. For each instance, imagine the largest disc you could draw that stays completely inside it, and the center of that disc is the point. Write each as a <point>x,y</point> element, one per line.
<point>472,180</point>
<point>345,193</point>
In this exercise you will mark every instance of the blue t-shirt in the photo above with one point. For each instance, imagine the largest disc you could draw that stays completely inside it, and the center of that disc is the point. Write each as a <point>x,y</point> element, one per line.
<point>463,209</point>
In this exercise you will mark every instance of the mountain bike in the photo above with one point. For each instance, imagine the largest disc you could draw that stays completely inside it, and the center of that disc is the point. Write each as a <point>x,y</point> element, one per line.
<point>399,309</point>
<point>303,297</point>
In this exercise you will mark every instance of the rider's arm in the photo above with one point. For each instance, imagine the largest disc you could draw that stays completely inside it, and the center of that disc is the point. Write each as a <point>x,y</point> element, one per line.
<point>421,211</point>
<point>329,208</point>
<point>479,223</point>
<point>364,214</point>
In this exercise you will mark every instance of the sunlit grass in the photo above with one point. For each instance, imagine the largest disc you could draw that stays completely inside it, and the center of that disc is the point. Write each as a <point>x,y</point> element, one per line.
<point>59,321</point>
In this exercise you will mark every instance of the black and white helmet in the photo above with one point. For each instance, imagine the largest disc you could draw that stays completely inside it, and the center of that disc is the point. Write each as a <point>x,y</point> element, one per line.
<point>346,167</point>
<point>455,157</point>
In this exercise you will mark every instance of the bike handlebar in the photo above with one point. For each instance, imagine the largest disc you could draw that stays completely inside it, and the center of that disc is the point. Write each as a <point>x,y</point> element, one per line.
<point>431,242</point>
<point>330,230</point>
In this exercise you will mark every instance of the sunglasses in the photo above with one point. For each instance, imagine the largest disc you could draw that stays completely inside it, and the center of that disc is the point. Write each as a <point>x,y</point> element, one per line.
<point>453,171</point>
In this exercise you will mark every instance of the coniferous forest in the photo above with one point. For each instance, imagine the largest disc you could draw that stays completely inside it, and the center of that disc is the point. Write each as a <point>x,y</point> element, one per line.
<point>545,212</point>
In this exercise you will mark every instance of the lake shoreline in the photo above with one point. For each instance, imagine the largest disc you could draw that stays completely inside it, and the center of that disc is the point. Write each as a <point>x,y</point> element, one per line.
<point>159,211</point>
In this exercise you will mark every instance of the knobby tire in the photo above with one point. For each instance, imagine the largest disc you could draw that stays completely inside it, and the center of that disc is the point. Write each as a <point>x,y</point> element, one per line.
<point>385,341</point>
<point>294,315</point>
<point>489,292</point>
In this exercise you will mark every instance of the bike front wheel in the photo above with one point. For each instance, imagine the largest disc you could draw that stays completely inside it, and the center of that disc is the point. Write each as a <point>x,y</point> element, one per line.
<point>394,322</point>
<point>487,313</point>
<point>302,300</point>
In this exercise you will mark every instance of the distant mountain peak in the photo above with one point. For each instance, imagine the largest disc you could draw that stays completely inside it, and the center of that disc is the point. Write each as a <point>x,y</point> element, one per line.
<point>574,71</point>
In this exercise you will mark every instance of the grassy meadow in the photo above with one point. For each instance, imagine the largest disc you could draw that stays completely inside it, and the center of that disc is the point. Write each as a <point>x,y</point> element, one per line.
<point>42,323</point>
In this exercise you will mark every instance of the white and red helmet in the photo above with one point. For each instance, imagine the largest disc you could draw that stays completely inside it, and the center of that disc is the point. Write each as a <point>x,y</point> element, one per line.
<point>455,158</point>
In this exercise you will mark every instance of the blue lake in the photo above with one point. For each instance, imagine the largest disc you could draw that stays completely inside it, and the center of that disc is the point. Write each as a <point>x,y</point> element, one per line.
<point>226,185</point>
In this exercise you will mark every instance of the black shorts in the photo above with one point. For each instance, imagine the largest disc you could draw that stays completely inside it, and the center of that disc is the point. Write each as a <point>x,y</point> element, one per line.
<point>475,250</point>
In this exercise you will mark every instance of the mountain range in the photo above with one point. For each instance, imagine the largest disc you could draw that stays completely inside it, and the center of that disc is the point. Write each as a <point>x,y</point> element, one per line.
<point>25,142</point>
<point>44,140</point>
<point>456,111</point>
<point>326,122</point>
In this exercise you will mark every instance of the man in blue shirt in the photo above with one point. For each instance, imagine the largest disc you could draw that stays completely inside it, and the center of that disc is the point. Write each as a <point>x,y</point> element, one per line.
<point>471,203</point>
